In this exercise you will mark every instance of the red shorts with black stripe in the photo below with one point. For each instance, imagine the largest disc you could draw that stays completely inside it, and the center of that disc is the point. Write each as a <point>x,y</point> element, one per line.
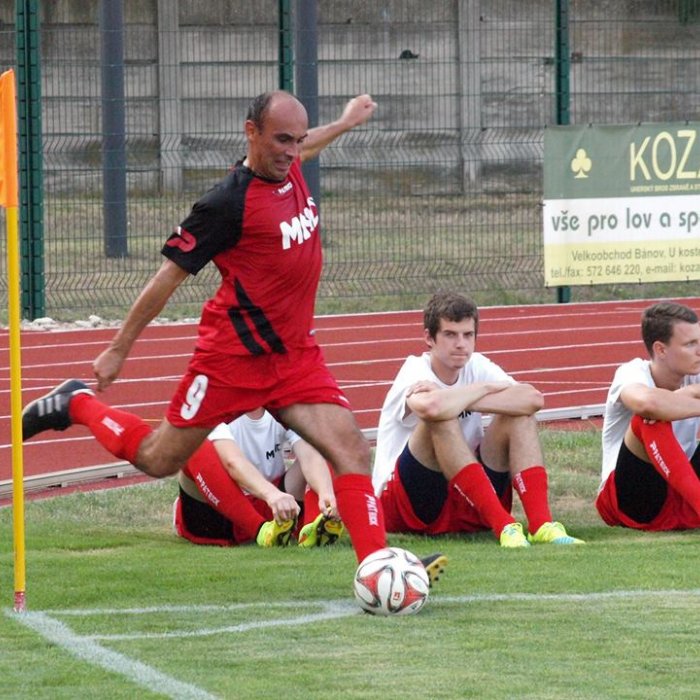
<point>675,514</point>
<point>456,514</point>
<point>218,388</point>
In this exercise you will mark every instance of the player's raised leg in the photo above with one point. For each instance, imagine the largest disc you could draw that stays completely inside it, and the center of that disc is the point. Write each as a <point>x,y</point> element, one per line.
<point>158,453</point>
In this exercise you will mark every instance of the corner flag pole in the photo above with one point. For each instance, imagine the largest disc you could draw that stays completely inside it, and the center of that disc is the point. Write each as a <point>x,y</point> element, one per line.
<point>10,200</point>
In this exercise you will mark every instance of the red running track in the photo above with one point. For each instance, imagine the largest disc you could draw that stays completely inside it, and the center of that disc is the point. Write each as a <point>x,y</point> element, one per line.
<point>568,351</point>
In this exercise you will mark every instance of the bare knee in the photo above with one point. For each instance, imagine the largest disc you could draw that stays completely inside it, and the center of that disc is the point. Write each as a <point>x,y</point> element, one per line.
<point>352,455</point>
<point>163,453</point>
<point>152,462</point>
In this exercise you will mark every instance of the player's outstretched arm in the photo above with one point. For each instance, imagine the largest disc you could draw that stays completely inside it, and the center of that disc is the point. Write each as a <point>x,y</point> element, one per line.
<point>147,306</point>
<point>357,111</point>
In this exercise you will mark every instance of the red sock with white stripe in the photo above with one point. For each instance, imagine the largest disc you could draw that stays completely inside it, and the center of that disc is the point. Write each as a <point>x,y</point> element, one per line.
<point>472,484</point>
<point>222,493</point>
<point>668,458</point>
<point>361,513</point>
<point>531,485</point>
<point>119,432</point>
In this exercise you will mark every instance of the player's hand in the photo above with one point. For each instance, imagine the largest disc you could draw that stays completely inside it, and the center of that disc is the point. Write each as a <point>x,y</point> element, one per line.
<point>358,110</point>
<point>421,387</point>
<point>283,506</point>
<point>106,367</point>
<point>328,506</point>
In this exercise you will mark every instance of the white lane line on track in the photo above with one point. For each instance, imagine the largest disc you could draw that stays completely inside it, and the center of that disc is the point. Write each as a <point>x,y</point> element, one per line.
<point>415,337</point>
<point>584,346</point>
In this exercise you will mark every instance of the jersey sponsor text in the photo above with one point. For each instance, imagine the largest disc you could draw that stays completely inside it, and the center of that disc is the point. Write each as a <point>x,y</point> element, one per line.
<point>301,227</point>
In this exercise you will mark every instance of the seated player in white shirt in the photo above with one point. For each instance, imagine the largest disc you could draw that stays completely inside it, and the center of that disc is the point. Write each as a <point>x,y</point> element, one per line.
<point>436,469</point>
<point>250,493</point>
<point>651,460</point>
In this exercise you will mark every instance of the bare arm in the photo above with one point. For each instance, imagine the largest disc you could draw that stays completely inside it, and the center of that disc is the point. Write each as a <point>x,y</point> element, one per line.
<point>247,476</point>
<point>655,403</point>
<point>515,400</point>
<point>147,306</point>
<point>433,403</point>
<point>357,111</point>
<point>318,477</point>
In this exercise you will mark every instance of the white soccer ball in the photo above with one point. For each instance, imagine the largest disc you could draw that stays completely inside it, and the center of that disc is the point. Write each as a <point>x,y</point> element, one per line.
<point>391,581</point>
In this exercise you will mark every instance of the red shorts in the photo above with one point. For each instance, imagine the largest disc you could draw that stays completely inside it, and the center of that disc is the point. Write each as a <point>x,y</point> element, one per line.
<point>199,523</point>
<point>218,388</point>
<point>456,514</point>
<point>675,514</point>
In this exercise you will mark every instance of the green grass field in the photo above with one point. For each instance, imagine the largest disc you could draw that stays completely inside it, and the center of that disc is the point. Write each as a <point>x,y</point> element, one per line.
<point>118,607</point>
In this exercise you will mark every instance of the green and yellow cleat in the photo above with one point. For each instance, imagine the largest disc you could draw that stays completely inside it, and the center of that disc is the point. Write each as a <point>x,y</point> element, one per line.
<point>274,534</point>
<point>321,532</point>
<point>512,536</point>
<point>553,533</point>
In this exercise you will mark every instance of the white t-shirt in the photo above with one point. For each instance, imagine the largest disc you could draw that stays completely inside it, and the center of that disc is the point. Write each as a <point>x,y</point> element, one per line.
<point>397,422</point>
<point>617,416</point>
<point>262,441</point>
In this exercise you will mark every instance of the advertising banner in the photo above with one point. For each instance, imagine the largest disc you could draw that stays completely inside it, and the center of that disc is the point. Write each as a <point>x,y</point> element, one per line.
<point>621,204</point>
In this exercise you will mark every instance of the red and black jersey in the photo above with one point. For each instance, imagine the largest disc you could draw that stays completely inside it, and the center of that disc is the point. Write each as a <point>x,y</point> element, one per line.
<point>264,238</point>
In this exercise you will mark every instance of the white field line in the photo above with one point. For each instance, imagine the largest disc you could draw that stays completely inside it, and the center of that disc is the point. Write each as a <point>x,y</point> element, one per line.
<point>331,609</point>
<point>85,649</point>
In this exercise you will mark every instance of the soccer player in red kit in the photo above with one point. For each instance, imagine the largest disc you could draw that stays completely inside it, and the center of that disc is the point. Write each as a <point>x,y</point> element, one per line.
<point>651,453</point>
<point>255,345</point>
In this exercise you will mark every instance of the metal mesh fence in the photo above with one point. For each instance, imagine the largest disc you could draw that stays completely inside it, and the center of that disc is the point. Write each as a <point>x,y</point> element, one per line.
<point>441,189</point>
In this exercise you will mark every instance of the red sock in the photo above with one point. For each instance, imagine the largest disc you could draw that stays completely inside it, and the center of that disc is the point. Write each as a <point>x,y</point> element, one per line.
<point>361,513</point>
<point>204,467</point>
<point>472,484</point>
<point>668,458</point>
<point>531,486</point>
<point>117,431</point>
<point>311,509</point>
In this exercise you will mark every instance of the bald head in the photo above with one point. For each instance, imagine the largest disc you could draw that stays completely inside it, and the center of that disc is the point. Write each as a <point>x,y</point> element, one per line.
<point>275,128</point>
<point>271,101</point>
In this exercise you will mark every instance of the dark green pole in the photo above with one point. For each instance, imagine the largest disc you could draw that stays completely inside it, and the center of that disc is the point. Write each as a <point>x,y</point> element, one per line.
<point>306,62</point>
<point>113,128</point>
<point>31,209</point>
<point>286,46</point>
<point>562,89</point>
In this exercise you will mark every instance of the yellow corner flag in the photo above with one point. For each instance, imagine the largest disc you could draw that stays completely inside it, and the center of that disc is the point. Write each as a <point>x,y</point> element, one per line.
<point>8,140</point>
<point>9,199</point>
